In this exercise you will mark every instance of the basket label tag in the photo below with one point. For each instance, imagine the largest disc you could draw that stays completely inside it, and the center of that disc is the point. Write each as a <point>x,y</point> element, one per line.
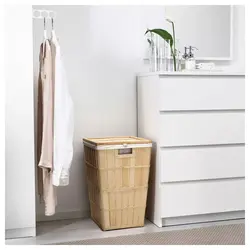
<point>125,151</point>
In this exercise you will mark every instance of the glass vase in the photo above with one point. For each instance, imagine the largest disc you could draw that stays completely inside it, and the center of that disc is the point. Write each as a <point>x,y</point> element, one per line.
<point>157,53</point>
<point>161,55</point>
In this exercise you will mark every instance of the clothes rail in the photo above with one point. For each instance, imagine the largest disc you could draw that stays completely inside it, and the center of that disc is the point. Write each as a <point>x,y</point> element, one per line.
<point>41,14</point>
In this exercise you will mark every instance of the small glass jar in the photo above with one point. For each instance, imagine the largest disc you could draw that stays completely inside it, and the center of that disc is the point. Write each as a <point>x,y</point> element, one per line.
<point>169,59</point>
<point>175,64</point>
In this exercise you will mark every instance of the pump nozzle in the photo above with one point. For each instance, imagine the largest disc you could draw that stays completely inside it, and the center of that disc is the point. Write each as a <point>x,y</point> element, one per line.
<point>185,55</point>
<point>190,54</point>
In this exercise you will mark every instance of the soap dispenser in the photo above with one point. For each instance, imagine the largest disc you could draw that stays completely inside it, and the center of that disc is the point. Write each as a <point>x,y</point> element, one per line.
<point>185,57</point>
<point>190,59</point>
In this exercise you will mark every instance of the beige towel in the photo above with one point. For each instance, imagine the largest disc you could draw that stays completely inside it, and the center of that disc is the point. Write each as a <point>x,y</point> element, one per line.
<point>45,129</point>
<point>46,159</point>
<point>40,124</point>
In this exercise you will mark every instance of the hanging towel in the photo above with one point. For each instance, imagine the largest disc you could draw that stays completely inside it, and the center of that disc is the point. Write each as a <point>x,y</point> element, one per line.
<point>46,159</point>
<point>45,129</point>
<point>39,125</point>
<point>63,120</point>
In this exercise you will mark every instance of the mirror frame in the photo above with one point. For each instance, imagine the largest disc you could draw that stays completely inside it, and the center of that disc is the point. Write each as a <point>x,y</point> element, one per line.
<point>230,57</point>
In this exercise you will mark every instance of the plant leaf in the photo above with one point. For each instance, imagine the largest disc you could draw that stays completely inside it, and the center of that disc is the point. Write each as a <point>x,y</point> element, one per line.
<point>162,33</point>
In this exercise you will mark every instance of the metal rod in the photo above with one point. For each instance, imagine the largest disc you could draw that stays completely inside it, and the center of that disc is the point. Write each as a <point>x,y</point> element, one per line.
<point>41,14</point>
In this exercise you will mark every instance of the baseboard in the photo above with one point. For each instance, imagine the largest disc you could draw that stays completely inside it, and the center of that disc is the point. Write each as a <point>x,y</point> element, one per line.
<point>77,214</point>
<point>203,218</point>
<point>20,232</point>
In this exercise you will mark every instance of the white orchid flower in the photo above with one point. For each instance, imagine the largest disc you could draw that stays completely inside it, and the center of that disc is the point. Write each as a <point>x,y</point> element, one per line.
<point>169,20</point>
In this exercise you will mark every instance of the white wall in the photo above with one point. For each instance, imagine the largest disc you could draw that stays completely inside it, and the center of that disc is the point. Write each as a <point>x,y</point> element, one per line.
<point>102,53</point>
<point>19,133</point>
<point>103,49</point>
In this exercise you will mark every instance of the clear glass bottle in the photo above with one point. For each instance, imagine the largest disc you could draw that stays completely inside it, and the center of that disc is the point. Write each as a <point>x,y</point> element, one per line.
<point>179,61</point>
<point>153,53</point>
<point>169,57</point>
<point>177,53</point>
<point>162,52</point>
<point>150,50</point>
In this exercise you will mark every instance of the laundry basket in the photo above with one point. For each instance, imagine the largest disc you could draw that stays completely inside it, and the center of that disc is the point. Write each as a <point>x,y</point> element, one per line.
<point>117,174</point>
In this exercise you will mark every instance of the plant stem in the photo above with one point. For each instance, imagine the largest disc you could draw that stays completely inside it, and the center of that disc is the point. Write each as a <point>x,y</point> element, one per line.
<point>173,35</point>
<point>174,58</point>
<point>174,51</point>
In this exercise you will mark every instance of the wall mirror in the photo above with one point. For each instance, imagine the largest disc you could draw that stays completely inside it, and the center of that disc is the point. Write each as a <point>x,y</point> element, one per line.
<point>207,27</point>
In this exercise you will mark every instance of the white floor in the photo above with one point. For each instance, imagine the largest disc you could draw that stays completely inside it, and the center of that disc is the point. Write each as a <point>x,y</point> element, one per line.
<point>80,229</point>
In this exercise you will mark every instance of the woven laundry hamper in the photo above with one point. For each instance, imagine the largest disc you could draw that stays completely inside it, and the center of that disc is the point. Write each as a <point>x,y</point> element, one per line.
<point>117,174</point>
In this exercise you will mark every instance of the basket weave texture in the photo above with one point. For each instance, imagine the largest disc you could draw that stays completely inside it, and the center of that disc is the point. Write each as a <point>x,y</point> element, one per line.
<point>117,184</point>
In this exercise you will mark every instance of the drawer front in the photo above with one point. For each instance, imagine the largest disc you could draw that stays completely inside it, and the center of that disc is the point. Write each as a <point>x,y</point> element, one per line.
<point>200,163</point>
<point>181,129</point>
<point>202,93</point>
<point>181,199</point>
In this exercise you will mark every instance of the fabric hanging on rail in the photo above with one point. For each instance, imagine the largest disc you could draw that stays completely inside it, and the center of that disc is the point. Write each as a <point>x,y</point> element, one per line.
<point>55,124</point>
<point>45,129</point>
<point>63,119</point>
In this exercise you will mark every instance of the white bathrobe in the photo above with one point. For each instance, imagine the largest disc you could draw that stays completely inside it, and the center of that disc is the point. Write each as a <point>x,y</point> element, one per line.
<point>63,122</point>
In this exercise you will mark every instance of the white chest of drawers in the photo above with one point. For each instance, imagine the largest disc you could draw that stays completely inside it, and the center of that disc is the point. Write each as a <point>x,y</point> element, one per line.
<point>197,125</point>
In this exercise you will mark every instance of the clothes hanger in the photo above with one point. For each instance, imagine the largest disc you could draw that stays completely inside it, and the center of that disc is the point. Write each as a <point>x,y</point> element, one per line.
<point>53,35</point>
<point>44,29</point>
<point>44,35</point>
<point>52,23</point>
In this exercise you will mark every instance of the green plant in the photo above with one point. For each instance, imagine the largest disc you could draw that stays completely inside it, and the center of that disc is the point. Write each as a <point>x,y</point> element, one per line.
<point>168,38</point>
<point>172,23</point>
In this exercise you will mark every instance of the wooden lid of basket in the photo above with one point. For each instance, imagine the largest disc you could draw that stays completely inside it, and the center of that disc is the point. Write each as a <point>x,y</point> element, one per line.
<point>118,140</point>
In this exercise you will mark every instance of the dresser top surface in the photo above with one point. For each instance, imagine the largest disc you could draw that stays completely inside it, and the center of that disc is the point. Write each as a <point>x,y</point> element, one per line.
<point>192,73</point>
